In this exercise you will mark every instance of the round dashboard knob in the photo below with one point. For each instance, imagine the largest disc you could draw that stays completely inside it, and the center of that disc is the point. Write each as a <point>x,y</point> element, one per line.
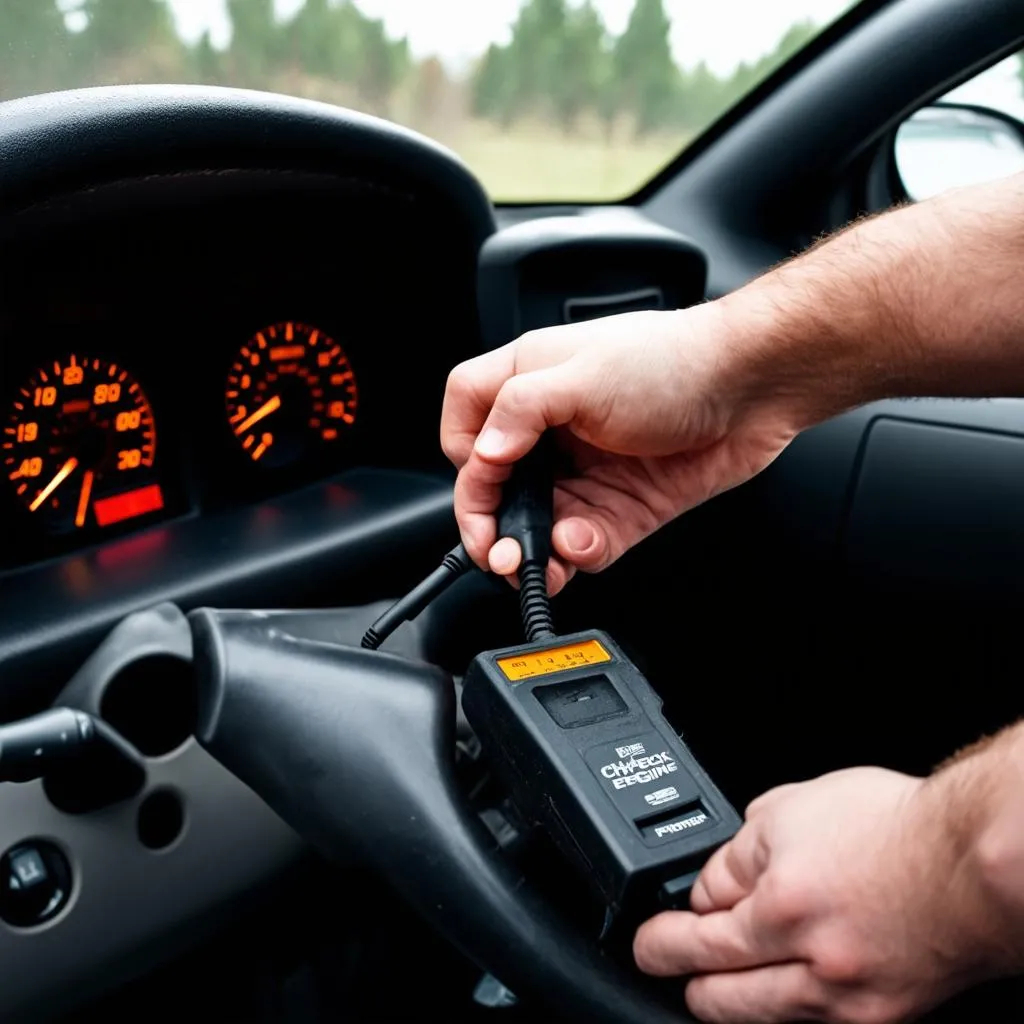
<point>35,883</point>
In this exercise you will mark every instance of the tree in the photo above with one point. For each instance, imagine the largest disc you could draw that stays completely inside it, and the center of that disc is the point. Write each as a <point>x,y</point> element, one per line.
<point>556,65</point>
<point>796,37</point>
<point>255,51</point>
<point>523,76</point>
<point>1020,70</point>
<point>702,97</point>
<point>645,73</point>
<point>128,41</point>
<point>382,64</point>
<point>536,41</point>
<point>748,76</point>
<point>324,39</point>
<point>127,27</point>
<point>494,86</point>
<point>314,38</point>
<point>338,43</point>
<point>34,45</point>
<point>205,60</point>
<point>581,66</point>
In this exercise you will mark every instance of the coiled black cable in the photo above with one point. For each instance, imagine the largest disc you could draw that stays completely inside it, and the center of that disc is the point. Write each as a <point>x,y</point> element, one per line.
<point>534,603</point>
<point>527,515</point>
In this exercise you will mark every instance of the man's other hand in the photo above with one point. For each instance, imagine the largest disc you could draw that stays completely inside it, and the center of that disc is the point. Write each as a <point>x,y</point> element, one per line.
<point>857,898</point>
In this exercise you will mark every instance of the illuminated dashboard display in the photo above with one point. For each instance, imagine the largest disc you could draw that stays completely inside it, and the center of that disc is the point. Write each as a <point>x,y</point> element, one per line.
<point>290,391</point>
<point>79,446</point>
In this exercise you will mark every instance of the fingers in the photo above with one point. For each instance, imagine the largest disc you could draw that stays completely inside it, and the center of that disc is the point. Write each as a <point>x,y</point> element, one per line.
<point>582,542</point>
<point>505,556</point>
<point>470,392</point>
<point>523,409</point>
<point>767,995</point>
<point>732,872</point>
<point>680,942</point>
<point>477,494</point>
<point>525,406</point>
<point>504,559</point>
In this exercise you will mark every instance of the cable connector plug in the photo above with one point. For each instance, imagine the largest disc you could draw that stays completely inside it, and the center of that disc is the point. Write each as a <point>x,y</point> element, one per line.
<point>455,564</point>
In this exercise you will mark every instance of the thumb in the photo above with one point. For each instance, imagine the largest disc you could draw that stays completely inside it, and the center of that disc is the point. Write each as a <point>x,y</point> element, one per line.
<point>526,406</point>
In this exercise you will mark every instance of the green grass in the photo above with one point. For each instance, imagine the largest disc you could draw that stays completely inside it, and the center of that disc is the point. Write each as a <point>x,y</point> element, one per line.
<point>534,163</point>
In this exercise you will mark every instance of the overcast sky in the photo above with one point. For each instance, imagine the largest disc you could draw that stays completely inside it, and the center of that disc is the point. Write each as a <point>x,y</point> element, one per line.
<point>720,32</point>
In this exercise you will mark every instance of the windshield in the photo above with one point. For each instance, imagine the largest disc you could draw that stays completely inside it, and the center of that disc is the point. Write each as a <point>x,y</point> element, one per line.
<point>546,100</point>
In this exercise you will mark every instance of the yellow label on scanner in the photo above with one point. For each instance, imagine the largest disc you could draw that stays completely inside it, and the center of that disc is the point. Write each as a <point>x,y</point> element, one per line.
<point>556,659</point>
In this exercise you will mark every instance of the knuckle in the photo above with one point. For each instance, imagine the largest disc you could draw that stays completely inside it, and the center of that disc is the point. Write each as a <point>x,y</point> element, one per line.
<point>459,377</point>
<point>648,952</point>
<point>643,956</point>
<point>840,961</point>
<point>788,899</point>
<point>536,340</point>
<point>450,446</point>
<point>514,394</point>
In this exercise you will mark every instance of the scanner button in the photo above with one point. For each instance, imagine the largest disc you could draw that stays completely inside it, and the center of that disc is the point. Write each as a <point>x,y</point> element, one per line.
<point>693,818</point>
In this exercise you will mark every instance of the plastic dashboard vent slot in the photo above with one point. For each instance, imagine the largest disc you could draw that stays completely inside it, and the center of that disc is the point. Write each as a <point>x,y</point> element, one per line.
<point>590,308</point>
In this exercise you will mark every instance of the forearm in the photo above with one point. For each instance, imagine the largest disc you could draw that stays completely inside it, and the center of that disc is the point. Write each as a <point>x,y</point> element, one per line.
<point>978,799</point>
<point>927,300</point>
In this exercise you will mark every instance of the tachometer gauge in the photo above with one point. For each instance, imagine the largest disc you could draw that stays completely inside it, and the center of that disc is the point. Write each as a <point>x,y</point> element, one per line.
<point>79,446</point>
<point>290,390</point>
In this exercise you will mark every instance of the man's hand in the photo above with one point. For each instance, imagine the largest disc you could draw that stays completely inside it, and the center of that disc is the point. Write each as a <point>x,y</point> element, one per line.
<point>858,898</point>
<point>660,411</point>
<point>653,413</point>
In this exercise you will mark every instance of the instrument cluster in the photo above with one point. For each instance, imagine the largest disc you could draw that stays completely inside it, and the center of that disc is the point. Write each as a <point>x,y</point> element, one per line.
<point>87,453</point>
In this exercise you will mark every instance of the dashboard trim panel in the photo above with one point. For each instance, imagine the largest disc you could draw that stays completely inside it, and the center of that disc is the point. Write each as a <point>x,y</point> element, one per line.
<point>53,613</point>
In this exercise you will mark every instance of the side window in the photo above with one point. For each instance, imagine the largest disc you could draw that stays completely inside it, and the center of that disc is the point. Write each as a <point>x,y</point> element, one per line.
<point>972,134</point>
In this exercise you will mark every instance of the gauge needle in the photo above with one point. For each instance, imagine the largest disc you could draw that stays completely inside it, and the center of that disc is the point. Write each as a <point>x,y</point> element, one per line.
<point>62,474</point>
<point>83,498</point>
<point>271,405</point>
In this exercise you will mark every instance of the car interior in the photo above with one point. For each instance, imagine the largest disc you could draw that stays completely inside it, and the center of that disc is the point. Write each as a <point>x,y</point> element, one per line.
<point>855,604</point>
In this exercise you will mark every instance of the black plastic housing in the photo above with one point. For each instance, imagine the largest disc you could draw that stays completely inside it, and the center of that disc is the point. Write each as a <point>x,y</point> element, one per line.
<point>587,753</point>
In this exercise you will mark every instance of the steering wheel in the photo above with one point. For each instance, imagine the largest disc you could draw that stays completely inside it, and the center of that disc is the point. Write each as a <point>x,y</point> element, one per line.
<point>356,750</point>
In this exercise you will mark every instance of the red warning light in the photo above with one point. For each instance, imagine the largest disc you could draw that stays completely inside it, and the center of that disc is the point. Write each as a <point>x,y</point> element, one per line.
<point>128,505</point>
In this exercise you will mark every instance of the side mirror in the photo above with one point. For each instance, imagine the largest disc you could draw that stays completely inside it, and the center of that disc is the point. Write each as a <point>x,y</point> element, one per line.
<point>948,145</point>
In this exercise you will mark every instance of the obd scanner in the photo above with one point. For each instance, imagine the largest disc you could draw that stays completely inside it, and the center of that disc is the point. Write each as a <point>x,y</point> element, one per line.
<point>577,734</point>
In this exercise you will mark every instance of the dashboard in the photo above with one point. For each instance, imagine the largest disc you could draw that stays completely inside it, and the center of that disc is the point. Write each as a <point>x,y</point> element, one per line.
<point>204,353</point>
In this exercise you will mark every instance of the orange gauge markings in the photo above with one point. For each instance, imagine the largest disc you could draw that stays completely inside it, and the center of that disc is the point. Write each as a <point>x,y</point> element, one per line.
<point>290,392</point>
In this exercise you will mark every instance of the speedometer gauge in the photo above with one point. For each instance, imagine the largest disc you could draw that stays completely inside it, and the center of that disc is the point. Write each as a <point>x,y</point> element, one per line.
<point>290,391</point>
<point>79,446</point>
